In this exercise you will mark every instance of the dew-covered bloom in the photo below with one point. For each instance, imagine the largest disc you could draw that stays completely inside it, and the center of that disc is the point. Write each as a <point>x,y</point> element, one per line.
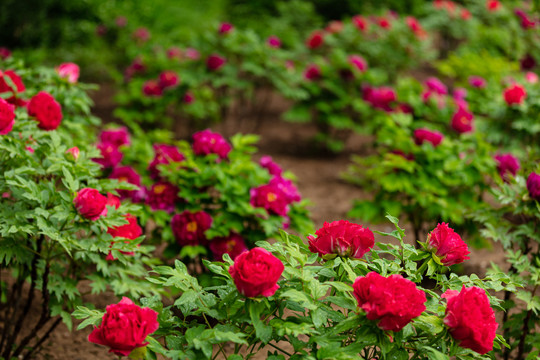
<point>392,301</point>
<point>117,137</point>
<point>256,273</point>
<point>358,62</point>
<point>447,245</point>
<point>233,245</point>
<point>90,204</point>
<point>271,198</point>
<point>514,94</point>
<point>269,164</point>
<point>477,82</point>
<point>422,135</point>
<point>46,110</point>
<point>151,88</point>
<point>189,227</point>
<point>70,71</point>
<point>287,187</point>
<point>312,72</point>
<point>168,79</point>
<point>124,327</point>
<point>225,28</point>
<point>315,39</point>
<point>533,185</point>
<point>531,77</point>
<point>141,34</point>
<point>470,318</point>
<point>207,142</point>
<point>215,62</point>
<point>162,196</point>
<point>380,98</point>
<point>506,164</point>
<point>342,238</point>
<point>7,117</point>
<point>4,53</point>
<point>129,175</point>
<point>360,22</point>
<point>462,121</point>
<point>164,154</point>
<point>273,41</point>
<point>110,155</point>
<point>435,85</point>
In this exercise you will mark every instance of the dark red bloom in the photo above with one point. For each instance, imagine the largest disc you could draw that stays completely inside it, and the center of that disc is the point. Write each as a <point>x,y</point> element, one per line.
<point>447,245</point>
<point>162,196</point>
<point>215,62</point>
<point>533,185</point>
<point>423,135</point>
<point>312,72</point>
<point>152,88</point>
<point>164,154</point>
<point>116,137</point>
<point>7,117</point>
<point>110,155</point>
<point>124,327</point>
<point>462,121</point>
<point>360,22</point>
<point>189,227</point>
<point>471,319</point>
<point>233,245</point>
<point>506,164</point>
<point>168,79</point>
<point>188,97</point>
<point>391,301</point>
<point>46,110</point>
<point>4,53</point>
<point>342,238</point>
<point>207,142</point>
<point>315,40</point>
<point>256,273</point>
<point>384,23</point>
<point>127,174</point>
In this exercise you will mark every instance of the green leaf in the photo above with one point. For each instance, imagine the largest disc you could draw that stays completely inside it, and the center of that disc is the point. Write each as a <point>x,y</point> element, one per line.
<point>263,331</point>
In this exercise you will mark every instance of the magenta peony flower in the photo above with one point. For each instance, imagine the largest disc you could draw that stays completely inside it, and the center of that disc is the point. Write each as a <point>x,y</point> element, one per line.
<point>477,82</point>
<point>423,135</point>
<point>168,79</point>
<point>164,154</point>
<point>189,227</point>
<point>73,152</point>
<point>5,53</point>
<point>273,41</point>
<point>533,185</point>
<point>233,245</point>
<point>271,198</point>
<point>215,62</point>
<point>315,40</point>
<point>360,23</point>
<point>256,273</point>
<point>116,137</point>
<point>192,54</point>
<point>342,238</point>
<point>462,121</point>
<point>435,85</point>
<point>471,319</point>
<point>129,175</point>
<point>392,301</point>
<point>225,28</point>
<point>141,34</point>
<point>380,98</point>
<point>110,155</point>
<point>287,187</point>
<point>447,245</point>
<point>152,88</point>
<point>506,164</point>
<point>162,196</point>
<point>207,142</point>
<point>188,98</point>
<point>273,168</point>
<point>174,52</point>
<point>531,77</point>
<point>312,72</point>
<point>121,21</point>
<point>358,62</point>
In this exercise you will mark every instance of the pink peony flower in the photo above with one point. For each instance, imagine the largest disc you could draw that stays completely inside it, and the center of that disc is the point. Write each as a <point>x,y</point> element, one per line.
<point>493,5</point>
<point>360,23</point>
<point>188,98</point>
<point>74,152</point>
<point>334,27</point>
<point>233,245</point>
<point>342,238</point>
<point>141,34</point>
<point>121,21</point>
<point>447,245</point>
<point>358,62</point>
<point>435,85</point>
<point>207,142</point>
<point>192,54</point>
<point>380,98</point>
<point>189,227</point>
<point>272,167</point>
<point>287,188</point>
<point>130,231</point>
<point>415,27</point>
<point>4,53</point>
<point>174,53</point>
<point>90,204</point>
<point>391,301</point>
<point>70,71</point>
<point>423,135</point>
<point>477,82</point>
<point>531,77</point>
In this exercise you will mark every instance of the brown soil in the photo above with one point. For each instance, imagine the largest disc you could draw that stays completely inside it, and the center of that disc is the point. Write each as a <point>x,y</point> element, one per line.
<point>318,180</point>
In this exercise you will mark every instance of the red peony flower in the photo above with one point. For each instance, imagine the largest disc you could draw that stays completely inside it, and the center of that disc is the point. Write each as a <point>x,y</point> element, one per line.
<point>164,154</point>
<point>360,23</point>
<point>358,62</point>
<point>189,227</point>
<point>124,327</point>
<point>225,28</point>
<point>127,174</point>
<point>113,201</point>
<point>312,72</point>
<point>273,168</point>
<point>533,185</point>
<point>471,319</point>
<point>256,272</point>
<point>465,14</point>
<point>271,198</point>
<point>392,301</point>
<point>384,23</point>
<point>315,40</point>
<point>493,5</point>
<point>342,238</point>
<point>506,164</point>
<point>15,79</point>
<point>116,137</point>
<point>7,117</point>
<point>515,94</point>
<point>188,98</point>
<point>46,110</point>
<point>110,155</point>
<point>162,196</point>
<point>152,88</point>
<point>215,62</point>
<point>131,231</point>
<point>168,79</point>
<point>273,41</point>
<point>174,53</point>
<point>415,27</point>
<point>462,121</point>
<point>90,204</point>
<point>207,142</point>
<point>423,135</point>
<point>233,245</point>
<point>447,245</point>
<point>70,71</point>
